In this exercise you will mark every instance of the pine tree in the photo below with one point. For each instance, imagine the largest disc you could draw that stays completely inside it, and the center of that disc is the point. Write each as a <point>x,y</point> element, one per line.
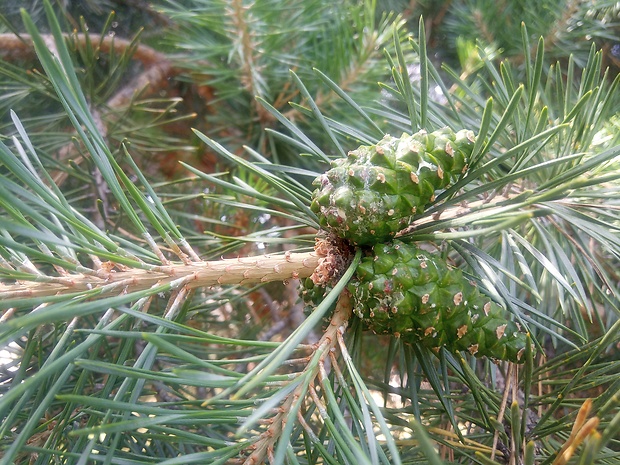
<point>150,298</point>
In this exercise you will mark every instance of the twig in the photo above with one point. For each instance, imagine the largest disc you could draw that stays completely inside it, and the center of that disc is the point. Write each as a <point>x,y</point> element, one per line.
<point>12,46</point>
<point>515,400</point>
<point>349,77</point>
<point>264,446</point>
<point>149,80</point>
<point>246,47</point>
<point>16,47</point>
<point>457,211</point>
<point>248,270</point>
<point>158,68</point>
<point>502,409</point>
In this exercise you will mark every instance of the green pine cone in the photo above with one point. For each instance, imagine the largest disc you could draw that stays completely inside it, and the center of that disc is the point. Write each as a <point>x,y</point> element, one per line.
<point>404,291</point>
<point>372,194</point>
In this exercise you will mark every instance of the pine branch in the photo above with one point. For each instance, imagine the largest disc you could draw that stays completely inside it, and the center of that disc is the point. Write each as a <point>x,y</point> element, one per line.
<point>242,270</point>
<point>533,219</point>
<point>247,270</point>
<point>265,445</point>
<point>13,47</point>
<point>158,66</point>
<point>241,17</point>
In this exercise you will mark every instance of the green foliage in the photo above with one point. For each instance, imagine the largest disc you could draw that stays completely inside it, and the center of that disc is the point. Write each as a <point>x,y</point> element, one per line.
<point>123,344</point>
<point>569,27</point>
<point>245,55</point>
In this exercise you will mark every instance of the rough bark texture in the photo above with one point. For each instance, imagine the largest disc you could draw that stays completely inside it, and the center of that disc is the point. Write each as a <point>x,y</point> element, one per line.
<point>247,270</point>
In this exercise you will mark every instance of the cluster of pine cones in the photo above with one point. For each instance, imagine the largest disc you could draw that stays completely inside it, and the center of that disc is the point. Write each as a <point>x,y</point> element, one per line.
<point>400,289</point>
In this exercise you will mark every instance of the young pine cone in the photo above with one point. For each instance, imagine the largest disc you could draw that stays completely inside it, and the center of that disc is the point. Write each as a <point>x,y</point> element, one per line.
<point>407,292</point>
<point>372,194</point>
